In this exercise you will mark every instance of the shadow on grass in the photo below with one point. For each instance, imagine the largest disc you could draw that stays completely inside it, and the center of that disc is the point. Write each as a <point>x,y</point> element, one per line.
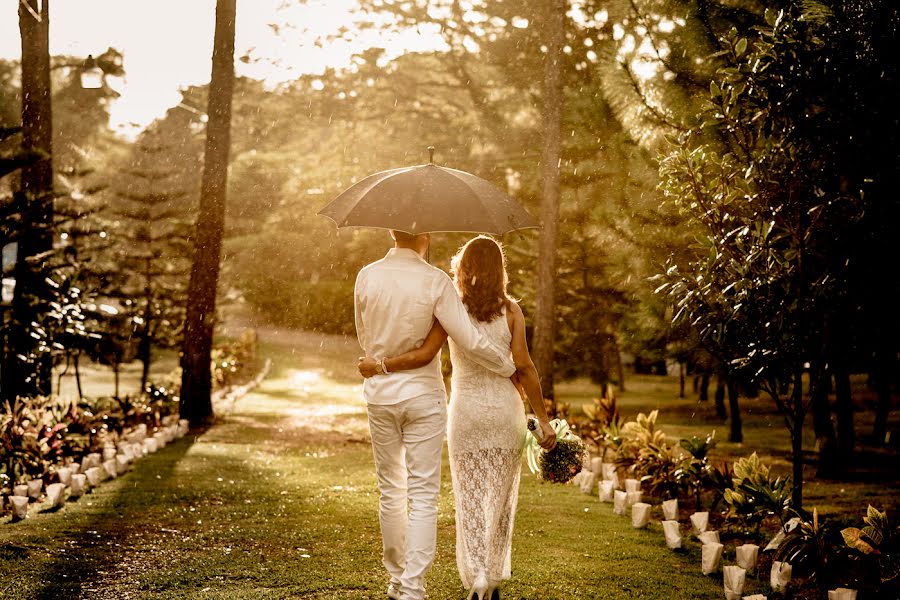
<point>96,545</point>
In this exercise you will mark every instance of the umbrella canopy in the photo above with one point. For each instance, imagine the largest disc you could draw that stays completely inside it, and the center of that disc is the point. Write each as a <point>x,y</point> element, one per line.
<point>428,199</point>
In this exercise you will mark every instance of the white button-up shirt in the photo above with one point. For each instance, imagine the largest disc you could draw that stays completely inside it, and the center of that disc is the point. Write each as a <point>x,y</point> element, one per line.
<point>397,299</point>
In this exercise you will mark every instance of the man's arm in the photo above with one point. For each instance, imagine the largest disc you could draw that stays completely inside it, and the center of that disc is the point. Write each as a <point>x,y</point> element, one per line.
<point>451,313</point>
<point>358,308</point>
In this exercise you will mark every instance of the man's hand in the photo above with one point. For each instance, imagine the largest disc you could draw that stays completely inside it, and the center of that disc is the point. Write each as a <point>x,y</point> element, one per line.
<point>366,366</point>
<point>548,442</point>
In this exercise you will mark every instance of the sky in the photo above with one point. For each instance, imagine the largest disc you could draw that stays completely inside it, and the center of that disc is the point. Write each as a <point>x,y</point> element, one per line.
<point>167,44</point>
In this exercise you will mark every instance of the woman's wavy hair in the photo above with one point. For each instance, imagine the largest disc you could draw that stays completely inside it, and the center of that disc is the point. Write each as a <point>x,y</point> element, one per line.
<point>479,272</point>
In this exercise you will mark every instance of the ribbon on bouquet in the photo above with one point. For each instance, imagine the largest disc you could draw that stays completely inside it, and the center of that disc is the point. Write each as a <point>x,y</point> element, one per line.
<point>533,448</point>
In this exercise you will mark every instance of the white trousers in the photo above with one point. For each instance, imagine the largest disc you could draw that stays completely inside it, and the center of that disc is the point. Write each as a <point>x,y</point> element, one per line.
<point>407,440</point>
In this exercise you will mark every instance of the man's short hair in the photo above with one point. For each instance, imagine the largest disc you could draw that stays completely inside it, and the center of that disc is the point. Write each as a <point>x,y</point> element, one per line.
<point>403,237</point>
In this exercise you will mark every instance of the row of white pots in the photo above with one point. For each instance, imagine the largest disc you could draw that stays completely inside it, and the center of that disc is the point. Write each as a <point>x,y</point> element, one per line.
<point>76,479</point>
<point>746,555</point>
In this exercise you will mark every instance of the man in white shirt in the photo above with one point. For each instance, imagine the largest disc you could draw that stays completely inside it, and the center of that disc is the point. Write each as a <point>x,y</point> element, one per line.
<point>397,299</point>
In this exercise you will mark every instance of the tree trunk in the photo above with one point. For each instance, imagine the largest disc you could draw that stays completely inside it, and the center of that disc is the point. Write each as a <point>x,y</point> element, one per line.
<point>822,424</point>
<point>737,432</point>
<point>704,386</point>
<point>620,368</point>
<point>846,435</point>
<point>196,380</point>
<point>28,379</point>
<point>883,386</point>
<point>78,378</point>
<point>720,397</point>
<point>681,379</point>
<point>545,300</point>
<point>797,415</point>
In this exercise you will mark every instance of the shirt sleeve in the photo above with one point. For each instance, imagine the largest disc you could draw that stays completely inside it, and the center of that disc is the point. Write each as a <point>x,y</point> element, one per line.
<point>451,313</point>
<point>358,306</point>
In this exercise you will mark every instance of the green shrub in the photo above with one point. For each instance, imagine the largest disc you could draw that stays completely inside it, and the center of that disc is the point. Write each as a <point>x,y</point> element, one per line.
<point>325,306</point>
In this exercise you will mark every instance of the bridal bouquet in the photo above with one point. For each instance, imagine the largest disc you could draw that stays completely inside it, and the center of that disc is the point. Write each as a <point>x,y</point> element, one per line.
<point>560,464</point>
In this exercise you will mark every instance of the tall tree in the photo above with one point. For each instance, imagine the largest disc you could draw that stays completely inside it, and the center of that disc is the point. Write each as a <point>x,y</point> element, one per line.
<point>545,305</point>
<point>152,224</point>
<point>196,380</point>
<point>33,376</point>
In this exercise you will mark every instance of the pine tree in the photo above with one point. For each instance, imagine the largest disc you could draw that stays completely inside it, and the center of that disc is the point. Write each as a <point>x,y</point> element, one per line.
<point>150,232</point>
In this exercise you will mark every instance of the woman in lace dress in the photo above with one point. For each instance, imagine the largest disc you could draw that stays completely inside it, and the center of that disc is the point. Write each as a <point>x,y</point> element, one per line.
<point>486,425</point>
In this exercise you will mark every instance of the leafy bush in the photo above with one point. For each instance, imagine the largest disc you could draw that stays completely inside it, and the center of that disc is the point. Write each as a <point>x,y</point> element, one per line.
<point>20,449</point>
<point>602,422</point>
<point>325,306</point>
<point>696,474</point>
<point>812,549</point>
<point>755,495</point>
<point>878,540</point>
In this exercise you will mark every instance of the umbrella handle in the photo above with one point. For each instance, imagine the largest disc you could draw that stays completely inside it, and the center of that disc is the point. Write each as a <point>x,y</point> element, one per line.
<point>431,155</point>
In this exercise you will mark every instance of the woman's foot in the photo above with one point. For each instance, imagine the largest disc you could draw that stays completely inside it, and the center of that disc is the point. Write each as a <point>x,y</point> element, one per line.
<point>479,589</point>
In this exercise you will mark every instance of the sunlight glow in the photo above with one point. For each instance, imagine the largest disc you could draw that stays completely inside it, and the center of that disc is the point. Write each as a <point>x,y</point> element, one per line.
<point>167,44</point>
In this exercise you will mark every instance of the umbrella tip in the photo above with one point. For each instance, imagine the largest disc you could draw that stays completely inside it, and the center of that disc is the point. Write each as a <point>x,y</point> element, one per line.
<point>431,155</point>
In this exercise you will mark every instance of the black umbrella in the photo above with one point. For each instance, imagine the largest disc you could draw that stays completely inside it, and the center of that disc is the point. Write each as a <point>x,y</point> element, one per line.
<point>427,199</point>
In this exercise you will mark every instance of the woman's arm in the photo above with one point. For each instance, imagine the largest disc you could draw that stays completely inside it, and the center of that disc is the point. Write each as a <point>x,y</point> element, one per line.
<point>413,359</point>
<point>527,374</point>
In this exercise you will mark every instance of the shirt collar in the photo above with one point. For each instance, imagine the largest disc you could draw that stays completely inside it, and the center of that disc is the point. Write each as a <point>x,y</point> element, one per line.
<point>404,253</point>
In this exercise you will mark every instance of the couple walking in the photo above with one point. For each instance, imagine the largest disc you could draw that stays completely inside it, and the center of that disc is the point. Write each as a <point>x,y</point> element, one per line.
<point>405,310</point>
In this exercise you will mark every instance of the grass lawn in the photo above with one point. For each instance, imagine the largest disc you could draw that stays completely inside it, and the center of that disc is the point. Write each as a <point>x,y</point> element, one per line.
<point>278,500</point>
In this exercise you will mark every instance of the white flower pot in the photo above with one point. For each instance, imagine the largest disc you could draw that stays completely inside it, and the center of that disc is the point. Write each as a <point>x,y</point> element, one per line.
<point>56,495</point>
<point>640,515</point>
<point>733,579</point>
<point>700,521</point>
<point>588,481</point>
<point>619,506</point>
<point>842,594</point>
<point>709,537</point>
<point>94,459</point>
<point>65,475</point>
<point>110,470</point>
<point>672,533</point>
<point>109,453</point>
<point>780,575</point>
<point>20,490</point>
<point>606,491</point>
<point>632,485</point>
<point>779,537</point>
<point>75,468</point>
<point>710,556</point>
<point>150,445</point>
<point>121,464</point>
<point>76,488</point>
<point>597,466</point>
<point>746,556</point>
<point>34,488</point>
<point>755,597</point>
<point>160,438</point>
<point>632,498</point>
<point>608,471</point>
<point>94,476</point>
<point>670,509</point>
<point>19,506</point>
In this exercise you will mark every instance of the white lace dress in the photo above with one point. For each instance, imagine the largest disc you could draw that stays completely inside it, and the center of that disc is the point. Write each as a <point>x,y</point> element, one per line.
<point>486,434</point>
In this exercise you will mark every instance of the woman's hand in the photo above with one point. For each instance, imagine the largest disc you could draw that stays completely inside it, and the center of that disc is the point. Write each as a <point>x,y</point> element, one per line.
<point>548,442</point>
<point>366,366</point>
